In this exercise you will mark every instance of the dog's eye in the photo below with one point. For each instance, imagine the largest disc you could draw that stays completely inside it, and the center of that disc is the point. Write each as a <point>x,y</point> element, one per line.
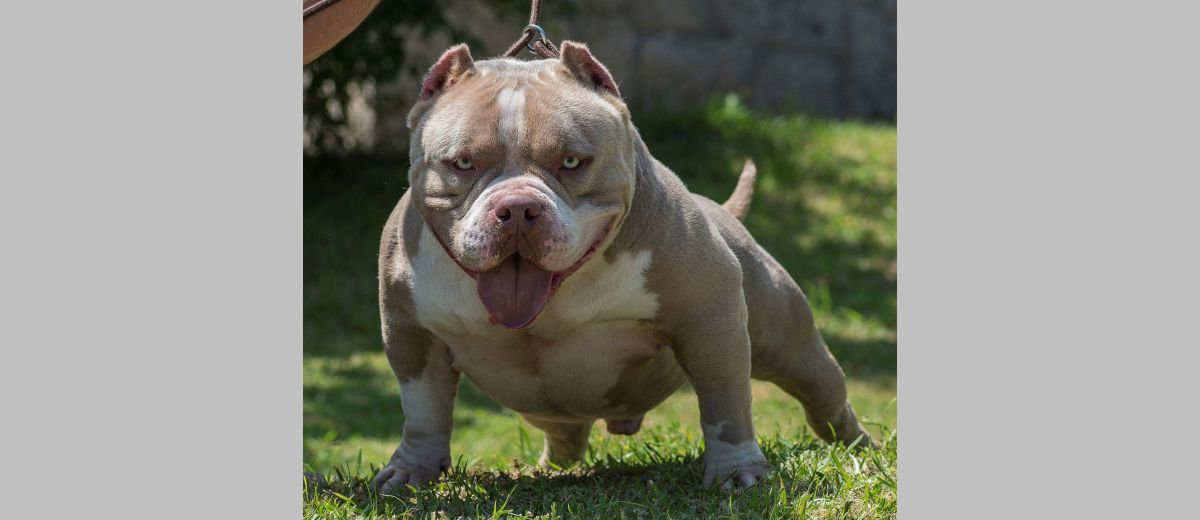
<point>463,163</point>
<point>570,162</point>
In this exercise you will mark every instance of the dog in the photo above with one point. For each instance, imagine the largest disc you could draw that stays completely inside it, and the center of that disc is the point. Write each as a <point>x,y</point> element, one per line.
<point>541,250</point>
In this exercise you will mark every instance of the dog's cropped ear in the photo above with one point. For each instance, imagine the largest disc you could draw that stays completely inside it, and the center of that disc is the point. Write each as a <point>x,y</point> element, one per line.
<point>586,68</point>
<point>451,67</point>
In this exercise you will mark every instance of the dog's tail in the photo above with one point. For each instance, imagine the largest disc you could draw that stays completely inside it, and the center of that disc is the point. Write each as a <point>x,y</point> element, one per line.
<point>739,202</point>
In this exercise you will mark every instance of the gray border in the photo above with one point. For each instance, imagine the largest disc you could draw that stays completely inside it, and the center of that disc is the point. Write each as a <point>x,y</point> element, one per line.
<point>151,275</point>
<point>1048,260</point>
<point>151,217</point>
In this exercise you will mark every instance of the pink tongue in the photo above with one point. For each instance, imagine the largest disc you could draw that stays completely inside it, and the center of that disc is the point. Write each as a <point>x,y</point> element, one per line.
<point>514,292</point>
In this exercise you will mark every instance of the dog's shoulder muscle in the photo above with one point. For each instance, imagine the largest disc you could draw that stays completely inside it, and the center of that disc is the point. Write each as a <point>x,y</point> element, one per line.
<point>405,341</point>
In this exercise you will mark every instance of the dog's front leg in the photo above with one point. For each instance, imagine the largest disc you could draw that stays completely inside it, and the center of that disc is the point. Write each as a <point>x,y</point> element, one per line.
<point>715,354</point>
<point>427,396</point>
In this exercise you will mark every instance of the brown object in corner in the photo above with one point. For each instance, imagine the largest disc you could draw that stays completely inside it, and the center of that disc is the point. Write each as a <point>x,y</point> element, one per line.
<point>327,26</point>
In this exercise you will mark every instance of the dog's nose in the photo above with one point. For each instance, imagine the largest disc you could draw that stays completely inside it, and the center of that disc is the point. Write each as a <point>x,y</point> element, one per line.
<point>522,209</point>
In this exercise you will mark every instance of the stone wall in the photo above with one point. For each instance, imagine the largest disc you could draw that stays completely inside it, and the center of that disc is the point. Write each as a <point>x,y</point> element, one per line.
<point>827,57</point>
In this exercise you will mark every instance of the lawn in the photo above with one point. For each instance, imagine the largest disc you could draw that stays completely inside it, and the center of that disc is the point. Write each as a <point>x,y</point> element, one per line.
<point>825,207</point>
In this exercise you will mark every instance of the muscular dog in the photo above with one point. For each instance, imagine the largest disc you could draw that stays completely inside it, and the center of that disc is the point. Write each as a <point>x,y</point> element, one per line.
<point>542,251</point>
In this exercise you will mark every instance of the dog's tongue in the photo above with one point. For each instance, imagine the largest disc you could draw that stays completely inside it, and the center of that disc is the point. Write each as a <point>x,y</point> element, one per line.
<point>514,292</point>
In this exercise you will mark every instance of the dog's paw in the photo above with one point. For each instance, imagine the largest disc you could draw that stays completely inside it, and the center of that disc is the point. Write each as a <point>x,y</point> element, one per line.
<point>409,469</point>
<point>739,466</point>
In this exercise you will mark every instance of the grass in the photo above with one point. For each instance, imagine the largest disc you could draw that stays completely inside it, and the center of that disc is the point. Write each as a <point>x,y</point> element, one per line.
<point>825,207</point>
<point>652,475</point>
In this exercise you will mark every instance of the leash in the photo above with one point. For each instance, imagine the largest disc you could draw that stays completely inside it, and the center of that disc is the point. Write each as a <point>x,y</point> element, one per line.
<point>317,7</point>
<point>533,37</point>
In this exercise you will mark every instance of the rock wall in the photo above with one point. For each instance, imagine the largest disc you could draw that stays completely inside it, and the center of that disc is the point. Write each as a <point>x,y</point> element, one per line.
<point>827,57</point>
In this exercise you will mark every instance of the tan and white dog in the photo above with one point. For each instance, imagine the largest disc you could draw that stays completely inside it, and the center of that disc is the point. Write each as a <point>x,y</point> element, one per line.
<point>542,251</point>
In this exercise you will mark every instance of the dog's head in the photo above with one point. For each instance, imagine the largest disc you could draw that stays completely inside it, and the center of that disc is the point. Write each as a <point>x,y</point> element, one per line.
<point>524,170</point>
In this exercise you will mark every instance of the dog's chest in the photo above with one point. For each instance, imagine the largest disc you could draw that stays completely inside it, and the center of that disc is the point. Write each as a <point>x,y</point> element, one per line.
<point>595,334</point>
<point>601,370</point>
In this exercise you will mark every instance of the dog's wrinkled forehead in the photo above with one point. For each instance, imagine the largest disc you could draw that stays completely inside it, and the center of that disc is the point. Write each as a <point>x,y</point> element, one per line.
<point>513,67</point>
<point>495,107</point>
<point>522,104</point>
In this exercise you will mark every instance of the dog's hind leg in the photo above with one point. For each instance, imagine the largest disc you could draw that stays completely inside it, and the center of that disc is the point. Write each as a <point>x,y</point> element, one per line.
<point>808,372</point>
<point>785,347</point>
<point>792,354</point>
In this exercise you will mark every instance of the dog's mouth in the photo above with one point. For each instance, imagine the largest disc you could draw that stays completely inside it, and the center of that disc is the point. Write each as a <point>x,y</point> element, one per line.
<point>516,291</point>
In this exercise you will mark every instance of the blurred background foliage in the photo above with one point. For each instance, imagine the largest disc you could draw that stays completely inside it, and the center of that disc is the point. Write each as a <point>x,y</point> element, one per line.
<point>375,53</point>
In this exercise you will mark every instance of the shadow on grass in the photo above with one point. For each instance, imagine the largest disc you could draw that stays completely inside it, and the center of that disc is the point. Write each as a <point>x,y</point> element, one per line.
<point>364,401</point>
<point>652,483</point>
<point>864,359</point>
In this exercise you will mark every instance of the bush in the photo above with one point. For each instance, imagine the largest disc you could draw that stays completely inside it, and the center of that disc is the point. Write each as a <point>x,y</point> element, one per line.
<point>372,54</point>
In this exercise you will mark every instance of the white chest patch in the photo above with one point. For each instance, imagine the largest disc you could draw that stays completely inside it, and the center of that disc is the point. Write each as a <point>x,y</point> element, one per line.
<point>444,296</point>
<point>448,304</point>
<point>601,291</point>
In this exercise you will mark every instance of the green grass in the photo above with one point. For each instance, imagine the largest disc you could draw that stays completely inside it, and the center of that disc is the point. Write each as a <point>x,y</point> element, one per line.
<point>825,207</point>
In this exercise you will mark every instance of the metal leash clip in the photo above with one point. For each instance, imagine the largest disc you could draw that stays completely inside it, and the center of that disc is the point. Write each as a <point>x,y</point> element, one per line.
<point>533,37</point>
<point>539,37</point>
